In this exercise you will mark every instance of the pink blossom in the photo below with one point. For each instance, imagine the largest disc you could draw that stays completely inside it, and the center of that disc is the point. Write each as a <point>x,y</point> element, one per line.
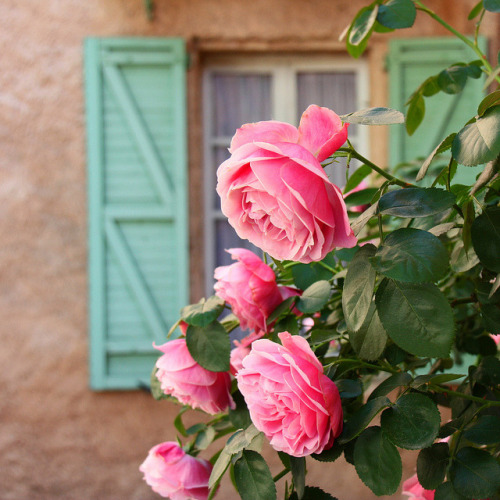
<point>174,474</point>
<point>183,378</point>
<point>249,287</point>
<point>275,192</point>
<point>289,398</point>
<point>242,350</point>
<point>415,490</point>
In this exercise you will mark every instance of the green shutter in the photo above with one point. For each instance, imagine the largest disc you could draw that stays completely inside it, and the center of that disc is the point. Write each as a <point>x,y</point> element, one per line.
<point>137,201</point>
<point>410,62</point>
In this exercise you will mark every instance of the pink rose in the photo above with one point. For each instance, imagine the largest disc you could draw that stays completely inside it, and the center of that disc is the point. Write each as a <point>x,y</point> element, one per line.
<point>249,287</point>
<point>174,474</point>
<point>289,399</point>
<point>242,350</point>
<point>183,378</point>
<point>415,490</point>
<point>275,192</point>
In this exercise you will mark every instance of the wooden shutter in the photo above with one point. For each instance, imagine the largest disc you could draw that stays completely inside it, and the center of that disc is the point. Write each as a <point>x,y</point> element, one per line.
<point>138,249</point>
<point>410,62</point>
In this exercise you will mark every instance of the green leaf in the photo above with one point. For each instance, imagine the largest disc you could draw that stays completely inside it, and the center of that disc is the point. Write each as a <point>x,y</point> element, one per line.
<point>219,469</point>
<point>155,386</point>
<point>209,346</point>
<point>322,336</point>
<point>313,493</point>
<point>304,275</point>
<point>488,102</point>
<point>349,388</point>
<point>204,312</point>
<point>361,197</point>
<point>485,233</point>
<point>417,317</point>
<point>374,116</point>
<point>446,491</point>
<point>314,297</point>
<point>253,477</point>
<point>452,80</point>
<point>298,467</point>
<point>397,14</point>
<point>362,25</point>
<point>179,424</point>
<point>240,416</point>
<point>490,315</point>
<point>440,148</point>
<point>492,5</point>
<point>413,255</point>
<point>358,288</point>
<point>361,221</point>
<point>475,10</point>
<point>205,438</point>
<point>475,473</point>
<point>478,142</point>
<point>284,307</point>
<point>413,422</point>
<point>370,340</point>
<point>431,465</point>
<point>485,431</point>
<point>429,88</point>
<point>361,418</point>
<point>356,177</point>
<point>241,440</point>
<point>391,383</point>
<point>377,462</point>
<point>416,202</point>
<point>415,113</point>
<point>329,455</point>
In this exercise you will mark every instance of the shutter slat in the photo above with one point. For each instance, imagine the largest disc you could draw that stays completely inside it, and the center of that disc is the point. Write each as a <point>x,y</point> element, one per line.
<point>138,248</point>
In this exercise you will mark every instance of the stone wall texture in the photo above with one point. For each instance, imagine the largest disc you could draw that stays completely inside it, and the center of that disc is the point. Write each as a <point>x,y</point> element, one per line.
<point>58,439</point>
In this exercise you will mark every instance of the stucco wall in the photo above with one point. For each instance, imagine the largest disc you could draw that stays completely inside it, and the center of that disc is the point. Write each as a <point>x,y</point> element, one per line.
<point>59,440</point>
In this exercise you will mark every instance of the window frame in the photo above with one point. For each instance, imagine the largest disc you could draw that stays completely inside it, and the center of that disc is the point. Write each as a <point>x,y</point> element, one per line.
<point>283,70</point>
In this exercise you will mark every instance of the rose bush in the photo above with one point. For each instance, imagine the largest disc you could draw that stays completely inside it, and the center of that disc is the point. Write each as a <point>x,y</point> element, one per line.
<point>183,378</point>
<point>289,398</point>
<point>354,352</point>
<point>275,192</point>
<point>174,474</point>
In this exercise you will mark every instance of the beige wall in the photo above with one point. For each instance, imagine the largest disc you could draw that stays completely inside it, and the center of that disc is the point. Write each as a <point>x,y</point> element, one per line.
<point>59,440</point>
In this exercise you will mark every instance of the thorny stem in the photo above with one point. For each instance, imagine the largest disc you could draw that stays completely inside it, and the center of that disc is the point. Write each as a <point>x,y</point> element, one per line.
<point>472,45</point>
<point>278,476</point>
<point>449,392</point>
<point>375,168</point>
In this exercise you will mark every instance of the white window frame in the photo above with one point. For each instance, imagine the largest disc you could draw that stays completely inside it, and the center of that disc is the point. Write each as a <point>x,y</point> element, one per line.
<point>283,70</point>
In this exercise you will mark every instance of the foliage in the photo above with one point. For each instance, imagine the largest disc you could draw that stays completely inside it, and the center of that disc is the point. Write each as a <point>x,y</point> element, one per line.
<point>395,320</point>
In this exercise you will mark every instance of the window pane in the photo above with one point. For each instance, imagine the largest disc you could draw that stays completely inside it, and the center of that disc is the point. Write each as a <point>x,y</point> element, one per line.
<point>237,99</point>
<point>226,238</point>
<point>336,91</point>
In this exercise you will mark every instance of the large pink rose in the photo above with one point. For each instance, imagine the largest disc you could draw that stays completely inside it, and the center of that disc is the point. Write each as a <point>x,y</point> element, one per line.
<point>249,287</point>
<point>183,378</point>
<point>174,474</point>
<point>289,398</point>
<point>275,192</point>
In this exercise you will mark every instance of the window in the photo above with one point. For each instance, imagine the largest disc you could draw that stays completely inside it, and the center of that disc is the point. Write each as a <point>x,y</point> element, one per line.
<point>256,88</point>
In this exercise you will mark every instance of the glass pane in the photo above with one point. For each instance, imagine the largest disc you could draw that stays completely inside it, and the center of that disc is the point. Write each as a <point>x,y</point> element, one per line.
<point>220,154</point>
<point>237,99</point>
<point>336,91</point>
<point>227,238</point>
